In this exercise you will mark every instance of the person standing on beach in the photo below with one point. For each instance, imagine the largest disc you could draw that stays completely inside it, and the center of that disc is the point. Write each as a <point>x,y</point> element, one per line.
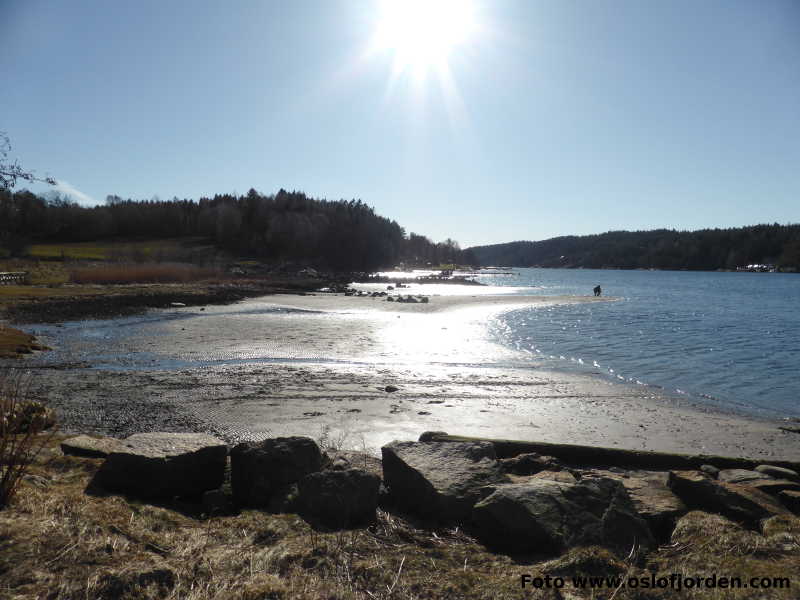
<point>597,291</point>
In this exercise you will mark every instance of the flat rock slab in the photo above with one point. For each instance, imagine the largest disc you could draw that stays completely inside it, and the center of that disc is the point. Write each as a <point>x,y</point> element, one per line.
<point>778,472</point>
<point>740,476</point>
<point>262,472</point>
<point>164,465</point>
<point>773,487</point>
<point>440,480</point>
<point>735,501</point>
<point>545,516</point>
<point>90,447</point>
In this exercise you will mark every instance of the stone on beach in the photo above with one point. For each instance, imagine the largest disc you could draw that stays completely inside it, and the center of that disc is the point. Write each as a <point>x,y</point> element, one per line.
<point>164,465</point>
<point>735,501</point>
<point>439,480</point>
<point>90,447</point>
<point>545,516</point>
<point>261,471</point>
<point>340,498</point>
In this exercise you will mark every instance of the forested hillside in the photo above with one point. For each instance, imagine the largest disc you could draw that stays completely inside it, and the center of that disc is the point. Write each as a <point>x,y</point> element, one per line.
<point>703,250</point>
<point>287,226</point>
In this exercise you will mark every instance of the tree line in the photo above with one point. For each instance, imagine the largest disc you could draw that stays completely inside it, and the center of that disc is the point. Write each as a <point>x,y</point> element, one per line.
<point>702,250</point>
<point>344,235</point>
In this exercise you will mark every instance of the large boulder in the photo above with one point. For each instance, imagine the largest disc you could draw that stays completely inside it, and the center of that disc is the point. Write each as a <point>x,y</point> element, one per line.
<point>735,501</point>
<point>545,516</point>
<point>440,480</point>
<point>261,472</point>
<point>164,465</point>
<point>339,498</point>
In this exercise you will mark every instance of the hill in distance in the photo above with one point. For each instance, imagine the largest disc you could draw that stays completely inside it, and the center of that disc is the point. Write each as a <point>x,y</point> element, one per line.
<point>702,250</point>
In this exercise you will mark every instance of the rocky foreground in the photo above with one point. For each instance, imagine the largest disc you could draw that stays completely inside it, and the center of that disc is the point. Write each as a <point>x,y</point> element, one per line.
<point>527,503</point>
<point>186,516</point>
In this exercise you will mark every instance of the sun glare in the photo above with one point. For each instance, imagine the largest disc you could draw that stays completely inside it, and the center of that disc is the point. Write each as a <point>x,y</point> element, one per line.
<point>423,33</point>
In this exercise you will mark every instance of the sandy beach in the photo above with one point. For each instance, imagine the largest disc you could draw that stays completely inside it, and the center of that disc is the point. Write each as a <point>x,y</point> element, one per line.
<point>358,373</point>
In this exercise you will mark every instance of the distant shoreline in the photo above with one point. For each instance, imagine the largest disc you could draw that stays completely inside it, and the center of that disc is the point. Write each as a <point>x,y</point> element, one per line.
<point>648,269</point>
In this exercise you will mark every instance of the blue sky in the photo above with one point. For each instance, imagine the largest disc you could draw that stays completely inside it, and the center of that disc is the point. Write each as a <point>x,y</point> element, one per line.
<point>554,117</point>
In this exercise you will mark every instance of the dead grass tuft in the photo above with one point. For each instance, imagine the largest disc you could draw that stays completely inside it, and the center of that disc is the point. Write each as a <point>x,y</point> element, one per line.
<point>22,422</point>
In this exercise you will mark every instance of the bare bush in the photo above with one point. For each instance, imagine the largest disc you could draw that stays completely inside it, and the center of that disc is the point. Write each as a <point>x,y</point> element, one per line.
<point>22,423</point>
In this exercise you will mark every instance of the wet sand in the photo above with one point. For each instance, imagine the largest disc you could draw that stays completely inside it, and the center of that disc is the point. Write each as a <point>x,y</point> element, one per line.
<point>320,366</point>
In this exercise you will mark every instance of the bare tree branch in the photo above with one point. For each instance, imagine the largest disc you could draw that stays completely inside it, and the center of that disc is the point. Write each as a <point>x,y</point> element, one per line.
<point>10,171</point>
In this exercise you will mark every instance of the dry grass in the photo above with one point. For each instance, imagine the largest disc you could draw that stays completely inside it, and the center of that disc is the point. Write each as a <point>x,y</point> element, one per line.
<point>15,343</point>
<point>142,273</point>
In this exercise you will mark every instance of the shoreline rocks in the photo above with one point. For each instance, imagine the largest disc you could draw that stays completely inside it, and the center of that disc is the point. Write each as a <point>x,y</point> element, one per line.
<point>340,498</point>
<point>90,447</point>
<point>548,517</point>
<point>735,501</point>
<point>263,473</point>
<point>527,503</point>
<point>165,465</point>
<point>439,480</point>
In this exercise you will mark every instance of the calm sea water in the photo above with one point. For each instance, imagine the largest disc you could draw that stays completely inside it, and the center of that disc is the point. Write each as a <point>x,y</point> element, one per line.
<point>728,339</point>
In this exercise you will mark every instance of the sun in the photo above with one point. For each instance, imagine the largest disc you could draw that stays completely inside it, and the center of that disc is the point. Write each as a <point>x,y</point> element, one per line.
<point>423,33</point>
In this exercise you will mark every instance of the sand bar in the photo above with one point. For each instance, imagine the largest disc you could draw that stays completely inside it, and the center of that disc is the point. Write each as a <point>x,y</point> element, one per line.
<point>320,366</point>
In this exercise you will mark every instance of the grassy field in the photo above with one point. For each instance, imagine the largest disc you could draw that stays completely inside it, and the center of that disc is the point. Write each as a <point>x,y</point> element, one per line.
<point>59,542</point>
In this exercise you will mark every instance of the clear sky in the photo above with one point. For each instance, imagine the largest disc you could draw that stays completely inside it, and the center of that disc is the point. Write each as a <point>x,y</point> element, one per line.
<point>481,120</point>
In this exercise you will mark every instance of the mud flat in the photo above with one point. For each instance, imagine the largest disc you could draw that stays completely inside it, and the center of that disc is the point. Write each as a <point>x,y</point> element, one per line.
<point>360,372</point>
